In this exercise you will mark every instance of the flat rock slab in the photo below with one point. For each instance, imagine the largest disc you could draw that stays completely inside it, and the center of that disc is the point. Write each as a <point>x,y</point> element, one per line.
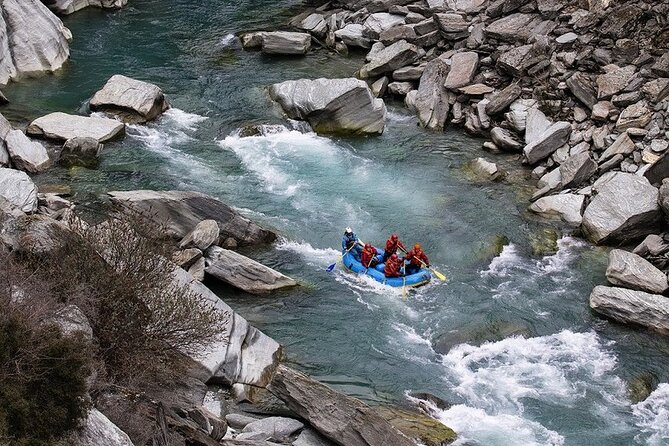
<point>244,273</point>
<point>463,67</point>
<point>61,127</point>
<point>130,99</point>
<point>566,207</point>
<point>389,59</point>
<point>632,307</point>
<point>631,271</point>
<point>625,207</point>
<point>178,212</point>
<point>17,188</point>
<point>344,106</point>
<point>286,43</point>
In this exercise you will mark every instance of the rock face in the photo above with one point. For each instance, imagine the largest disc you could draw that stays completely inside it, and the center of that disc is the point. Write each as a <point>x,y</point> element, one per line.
<point>61,127</point>
<point>431,101</point>
<point>632,307</point>
<point>341,418</point>
<point>287,43</point>
<point>25,154</point>
<point>389,59</point>
<point>332,105</point>
<point>97,430</point>
<point>625,207</point>
<point>631,271</point>
<point>65,7</point>
<point>567,207</point>
<point>244,273</point>
<point>30,50</point>
<point>181,211</point>
<point>17,188</point>
<point>131,100</point>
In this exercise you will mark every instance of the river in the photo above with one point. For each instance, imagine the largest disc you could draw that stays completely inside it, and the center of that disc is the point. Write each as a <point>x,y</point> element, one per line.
<point>562,384</point>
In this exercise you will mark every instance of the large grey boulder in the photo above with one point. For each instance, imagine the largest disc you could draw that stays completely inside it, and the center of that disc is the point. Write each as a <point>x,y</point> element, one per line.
<point>582,87</point>
<point>97,430</point>
<point>25,154</point>
<point>32,40</point>
<point>632,307</point>
<point>278,429</point>
<point>242,354</point>
<point>631,271</point>
<point>341,418</point>
<point>61,127</point>
<point>17,188</point>
<point>624,208</point>
<point>614,81</point>
<point>379,22</point>
<point>352,35</point>
<point>566,207</point>
<point>244,273</point>
<point>518,114</point>
<point>332,105</point>
<point>65,7</point>
<point>577,169</point>
<point>389,59</point>
<point>431,101</point>
<point>178,212</point>
<point>80,151</point>
<point>548,142</point>
<point>463,68</point>
<point>131,100</point>
<point>536,123</point>
<point>286,43</point>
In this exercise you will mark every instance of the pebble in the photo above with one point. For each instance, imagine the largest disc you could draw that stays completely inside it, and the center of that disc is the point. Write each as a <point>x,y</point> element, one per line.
<point>567,38</point>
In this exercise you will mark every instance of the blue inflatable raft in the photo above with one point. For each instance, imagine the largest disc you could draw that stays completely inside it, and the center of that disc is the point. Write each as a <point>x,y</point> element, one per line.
<point>422,277</point>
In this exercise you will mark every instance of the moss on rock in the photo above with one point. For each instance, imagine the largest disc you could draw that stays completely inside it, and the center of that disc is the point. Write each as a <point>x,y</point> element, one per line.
<point>418,426</point>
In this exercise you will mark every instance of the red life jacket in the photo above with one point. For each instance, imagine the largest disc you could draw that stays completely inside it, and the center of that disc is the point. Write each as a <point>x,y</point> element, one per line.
<point>392,268</point>
<point>368,255</point>
<point>392,246</point>
<point>414,257</point>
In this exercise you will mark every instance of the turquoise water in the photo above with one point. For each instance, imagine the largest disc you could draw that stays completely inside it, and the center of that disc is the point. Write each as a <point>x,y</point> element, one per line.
<point>563,384</point>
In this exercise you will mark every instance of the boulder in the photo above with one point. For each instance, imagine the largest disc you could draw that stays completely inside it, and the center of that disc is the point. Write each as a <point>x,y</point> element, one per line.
<point>80,151</point>
<point>632,307</point>
<point>476,90</point>
<point>396,33</point>
<point>309,437</point>
<point>61,127</point>
<point>65,7</point>
<point>341,418</point>
<point>463,68</point>
<point>485,169</point>
<point>409,73</point>
<point>205,234</point>
<point>332,105</point>
<point>514,60</point>
<point>536,124</point>
<point>18,189</point>
<point>577,169</point>
<point>623,145</point>
<point>380,22</point>
<point>389,59</point>
<point>431,100</point>
<point>501,100</point>
<point>567,207</point>
<point>251,40</point>
<point>379,87</point>
<point>278,429</point>
<point>286,43</point>
<point>581,86</point>
<point>315,24</point>
<point>72,322</point>
<point>518,113</point>
<point>97,430</point>
<point>661,65</point>
<point>656,90</point>
<point>624,208</point>
<point>352,35</point>
<point>505,140</point>
<point>635,115</point>
<point>181,211</point>
<point>452,26</point>
<point>614,81</point>
<point>512,28</point>
<point>30,47</point>
<point>244,273</point>
<point>400,88</point>
<point>25,154</point>
<point>631,271</point>
<point>548,142</point>
<point>131,100</point>
<point>186,257</point>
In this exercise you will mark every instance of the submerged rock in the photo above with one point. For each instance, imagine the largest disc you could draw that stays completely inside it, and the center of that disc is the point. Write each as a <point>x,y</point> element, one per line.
<point>341,418</point>
<point>632,307</point>
<point>332,105</point>
<point>131,100</point>
<point>61,127</point>
<point>178,212</point>
<point>33,40</point>
<point>492,331</point>
<point>631,271</point>
<point>244,273</point>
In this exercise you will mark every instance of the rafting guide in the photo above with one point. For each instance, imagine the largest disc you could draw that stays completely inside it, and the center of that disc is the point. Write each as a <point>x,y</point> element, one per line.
<point>384,265</point>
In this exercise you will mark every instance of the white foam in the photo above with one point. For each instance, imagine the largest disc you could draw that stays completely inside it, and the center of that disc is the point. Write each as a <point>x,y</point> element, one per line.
<point>560,261</point>
<point>320,256</point>
<point>652,417</point>
<point>398,116</point>
<point>409,333</point>
<point>504,263</point>
<point>557,369</point>
<point>228,40</point>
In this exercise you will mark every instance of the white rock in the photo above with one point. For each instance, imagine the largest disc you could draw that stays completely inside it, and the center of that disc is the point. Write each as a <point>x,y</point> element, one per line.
<point>381,21</point>
<point>25,154</point>
<point>567,207</point>
<point>17,188</point>
<point>61,127</point>
<point>631,271</point>
<point>99,431</point>
<point>287,43</point>
<point>352,35</point>
<point>632,307</point>
<point>122,94</point>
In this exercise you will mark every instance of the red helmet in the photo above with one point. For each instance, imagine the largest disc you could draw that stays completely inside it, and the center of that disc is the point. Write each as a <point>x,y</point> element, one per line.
<point>368,245</point>
<point>393,257</point>
<point>417,247</point>
<point>394,237</point>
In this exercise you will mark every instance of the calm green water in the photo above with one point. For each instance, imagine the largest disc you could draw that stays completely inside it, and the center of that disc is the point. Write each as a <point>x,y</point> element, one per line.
<point>563,384</point>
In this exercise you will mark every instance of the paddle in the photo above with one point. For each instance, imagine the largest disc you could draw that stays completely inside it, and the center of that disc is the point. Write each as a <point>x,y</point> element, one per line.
<point>404,280</point>
<point>439,275</point>
<point>331,266</point>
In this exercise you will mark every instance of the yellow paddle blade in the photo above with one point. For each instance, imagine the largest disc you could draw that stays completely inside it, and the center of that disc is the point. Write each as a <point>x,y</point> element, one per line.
<point>439,275</point>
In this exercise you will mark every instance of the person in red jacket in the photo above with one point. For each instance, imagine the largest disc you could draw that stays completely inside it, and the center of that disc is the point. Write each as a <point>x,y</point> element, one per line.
<point>415,257</point>
<point>393,267</point>
<point>369,253</point>
<point>392,245</point>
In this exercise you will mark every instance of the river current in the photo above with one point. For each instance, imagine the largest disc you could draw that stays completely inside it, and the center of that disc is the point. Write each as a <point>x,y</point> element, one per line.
<point>562,383</point>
